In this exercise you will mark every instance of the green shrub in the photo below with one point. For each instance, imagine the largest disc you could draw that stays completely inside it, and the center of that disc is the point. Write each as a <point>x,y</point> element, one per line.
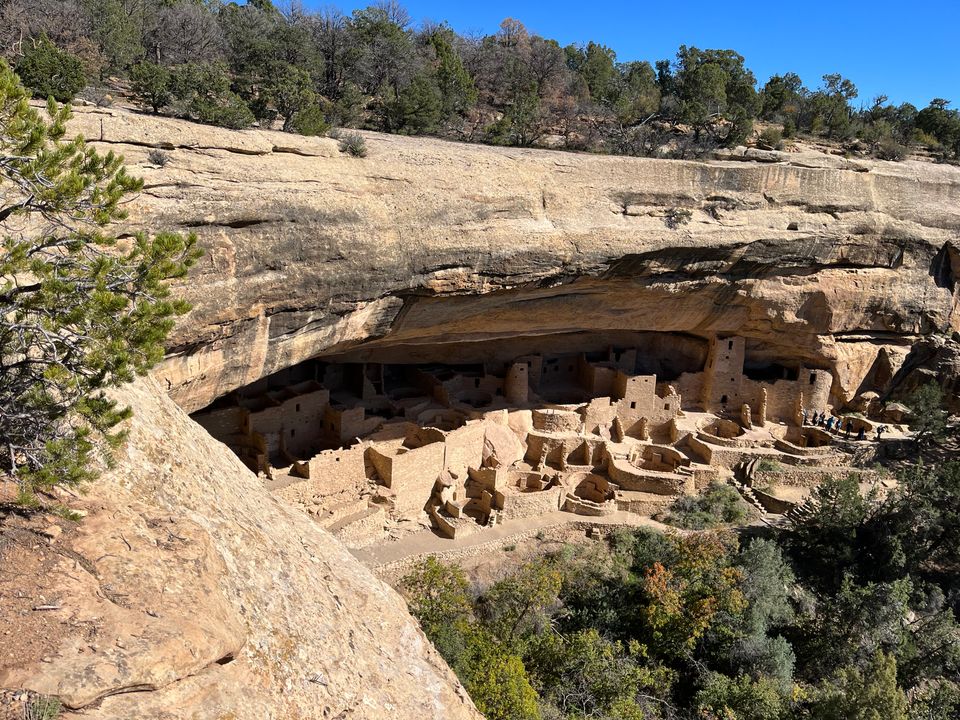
<point>203,92</point>
<point>349,109</point>
<point>769,465</point>
<point>720,504</point>
<point>229,111</point>
<point>42,708</point>
<point>741,126</point>
<point>310,121</point>
<point>49,71</point>
<point>353,144</point>
<point>771,139</point>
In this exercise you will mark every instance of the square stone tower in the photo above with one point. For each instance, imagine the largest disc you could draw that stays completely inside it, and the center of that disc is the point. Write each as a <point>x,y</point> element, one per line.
<point>723,374</point>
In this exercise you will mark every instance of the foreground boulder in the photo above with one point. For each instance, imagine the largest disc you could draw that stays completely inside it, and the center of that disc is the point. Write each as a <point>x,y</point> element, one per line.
<point>188,591</point>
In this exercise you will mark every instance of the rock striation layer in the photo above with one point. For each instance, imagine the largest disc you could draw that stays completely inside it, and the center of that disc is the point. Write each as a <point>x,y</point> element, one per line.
<point>426,245</point>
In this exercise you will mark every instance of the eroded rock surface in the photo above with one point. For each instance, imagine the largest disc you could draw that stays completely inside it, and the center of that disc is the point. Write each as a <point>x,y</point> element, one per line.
<point>189,592</point>
<point>428,245</point>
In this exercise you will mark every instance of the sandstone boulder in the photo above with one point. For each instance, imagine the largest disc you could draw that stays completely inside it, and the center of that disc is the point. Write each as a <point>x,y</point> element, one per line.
<point>189,592</point>
<point>501,446</point>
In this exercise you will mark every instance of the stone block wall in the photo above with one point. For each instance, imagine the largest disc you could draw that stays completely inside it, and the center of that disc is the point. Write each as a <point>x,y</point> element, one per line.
<point>303,421</point>
<point>532,504</point>
<point>333,470</point>
<point>223,423</point>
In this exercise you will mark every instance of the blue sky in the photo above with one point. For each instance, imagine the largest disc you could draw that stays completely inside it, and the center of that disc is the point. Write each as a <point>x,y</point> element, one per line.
<point>907,50</point>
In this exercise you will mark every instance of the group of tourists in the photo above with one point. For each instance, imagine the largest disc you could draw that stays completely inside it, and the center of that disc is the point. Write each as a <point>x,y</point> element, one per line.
<point>836,425</point>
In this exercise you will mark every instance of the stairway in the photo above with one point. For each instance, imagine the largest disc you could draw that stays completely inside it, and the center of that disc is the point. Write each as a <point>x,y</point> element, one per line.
<point>741,479</point>
<point>804,510</point>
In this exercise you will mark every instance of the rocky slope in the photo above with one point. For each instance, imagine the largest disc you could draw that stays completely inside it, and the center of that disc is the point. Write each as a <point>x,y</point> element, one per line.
<point>189,592</point>
<point>425,243</point>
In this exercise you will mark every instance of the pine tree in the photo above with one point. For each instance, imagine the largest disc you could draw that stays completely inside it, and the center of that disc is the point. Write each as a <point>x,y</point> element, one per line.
<point>80,312</point>
<point>152,85</point>
<point>456,86</point>
<point>49,71</point>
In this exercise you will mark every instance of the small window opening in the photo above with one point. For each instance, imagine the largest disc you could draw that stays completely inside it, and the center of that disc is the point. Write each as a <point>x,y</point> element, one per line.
<point>813,378</point>
<point>633,406</point>
<point>723,399</point>
<point>730,345</point>
<point>298,407</point>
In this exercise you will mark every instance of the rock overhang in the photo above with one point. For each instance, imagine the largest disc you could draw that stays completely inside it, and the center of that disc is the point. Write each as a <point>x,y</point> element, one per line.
<point>427,243</point>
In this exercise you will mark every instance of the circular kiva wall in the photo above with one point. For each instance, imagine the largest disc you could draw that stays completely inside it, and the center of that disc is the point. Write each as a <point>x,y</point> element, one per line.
<point>556,421</point>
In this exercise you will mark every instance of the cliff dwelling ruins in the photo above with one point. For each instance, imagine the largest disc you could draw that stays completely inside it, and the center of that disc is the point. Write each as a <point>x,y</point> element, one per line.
<point>370,445</point>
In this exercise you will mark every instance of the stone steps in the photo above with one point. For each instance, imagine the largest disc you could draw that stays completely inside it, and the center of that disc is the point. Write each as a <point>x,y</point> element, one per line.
<point>741,478</point>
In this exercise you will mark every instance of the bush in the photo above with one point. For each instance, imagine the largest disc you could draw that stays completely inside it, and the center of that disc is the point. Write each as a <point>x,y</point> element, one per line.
<point>42,708</point>
<point>676,217</point>
<point>229,111</point>
<point>310,122</point>
<point>158,157</point>
<point>770,139</point>
<point>49,71</point>
<point>353,144</point>
<point>741,127</point>
<point>890,149</point>
<point>719,505</point>
<point>203,92</point>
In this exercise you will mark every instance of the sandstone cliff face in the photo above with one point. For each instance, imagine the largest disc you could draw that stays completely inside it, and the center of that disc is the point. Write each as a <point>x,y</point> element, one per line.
<point>426,243</point>
<point>189,592</point>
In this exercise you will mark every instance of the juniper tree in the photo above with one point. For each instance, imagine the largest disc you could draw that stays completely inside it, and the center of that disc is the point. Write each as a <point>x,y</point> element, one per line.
<point>79,311</point>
